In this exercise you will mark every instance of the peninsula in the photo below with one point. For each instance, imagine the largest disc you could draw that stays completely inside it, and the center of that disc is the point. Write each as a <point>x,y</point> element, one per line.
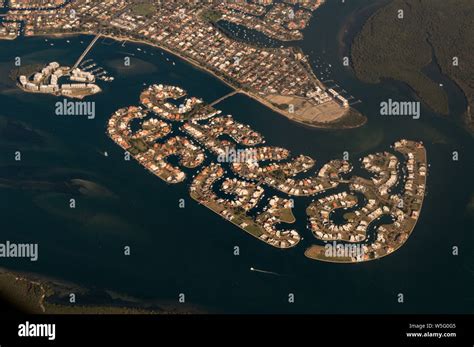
<point>280,78</point>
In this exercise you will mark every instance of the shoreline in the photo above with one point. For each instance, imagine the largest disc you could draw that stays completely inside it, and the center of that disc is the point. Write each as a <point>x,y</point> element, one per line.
<point>330,125</point>
<point>239,227</point>
<point>37,294</point>
<point>56,94</point>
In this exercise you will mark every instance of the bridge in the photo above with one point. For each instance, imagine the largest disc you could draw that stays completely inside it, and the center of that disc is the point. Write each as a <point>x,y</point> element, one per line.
<point>224,97</point>
<point>86,51</point>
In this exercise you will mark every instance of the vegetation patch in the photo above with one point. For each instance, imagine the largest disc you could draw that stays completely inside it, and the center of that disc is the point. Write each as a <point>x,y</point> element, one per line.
<point>143,9</point>
<point>211,16</point>
<point>404,37</point>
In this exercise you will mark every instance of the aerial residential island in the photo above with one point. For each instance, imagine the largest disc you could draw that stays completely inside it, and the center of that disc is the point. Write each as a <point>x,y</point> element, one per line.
<point>403,208</point>
<point>47,81</point>
<point>203,129</point>
<point>248,157</point>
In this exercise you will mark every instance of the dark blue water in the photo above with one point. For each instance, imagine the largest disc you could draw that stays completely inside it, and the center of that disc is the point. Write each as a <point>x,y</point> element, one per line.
<point>190,250</point>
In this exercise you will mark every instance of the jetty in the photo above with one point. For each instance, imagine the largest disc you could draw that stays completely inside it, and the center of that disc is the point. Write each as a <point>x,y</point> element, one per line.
<point>224,97</point>
<point>83,55</point>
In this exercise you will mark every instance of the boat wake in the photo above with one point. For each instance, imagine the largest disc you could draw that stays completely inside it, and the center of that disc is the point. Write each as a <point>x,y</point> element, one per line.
<point>265,272</point>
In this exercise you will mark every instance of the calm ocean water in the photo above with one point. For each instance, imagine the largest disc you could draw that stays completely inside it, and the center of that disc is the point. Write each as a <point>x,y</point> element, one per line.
<point>190,250</point>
